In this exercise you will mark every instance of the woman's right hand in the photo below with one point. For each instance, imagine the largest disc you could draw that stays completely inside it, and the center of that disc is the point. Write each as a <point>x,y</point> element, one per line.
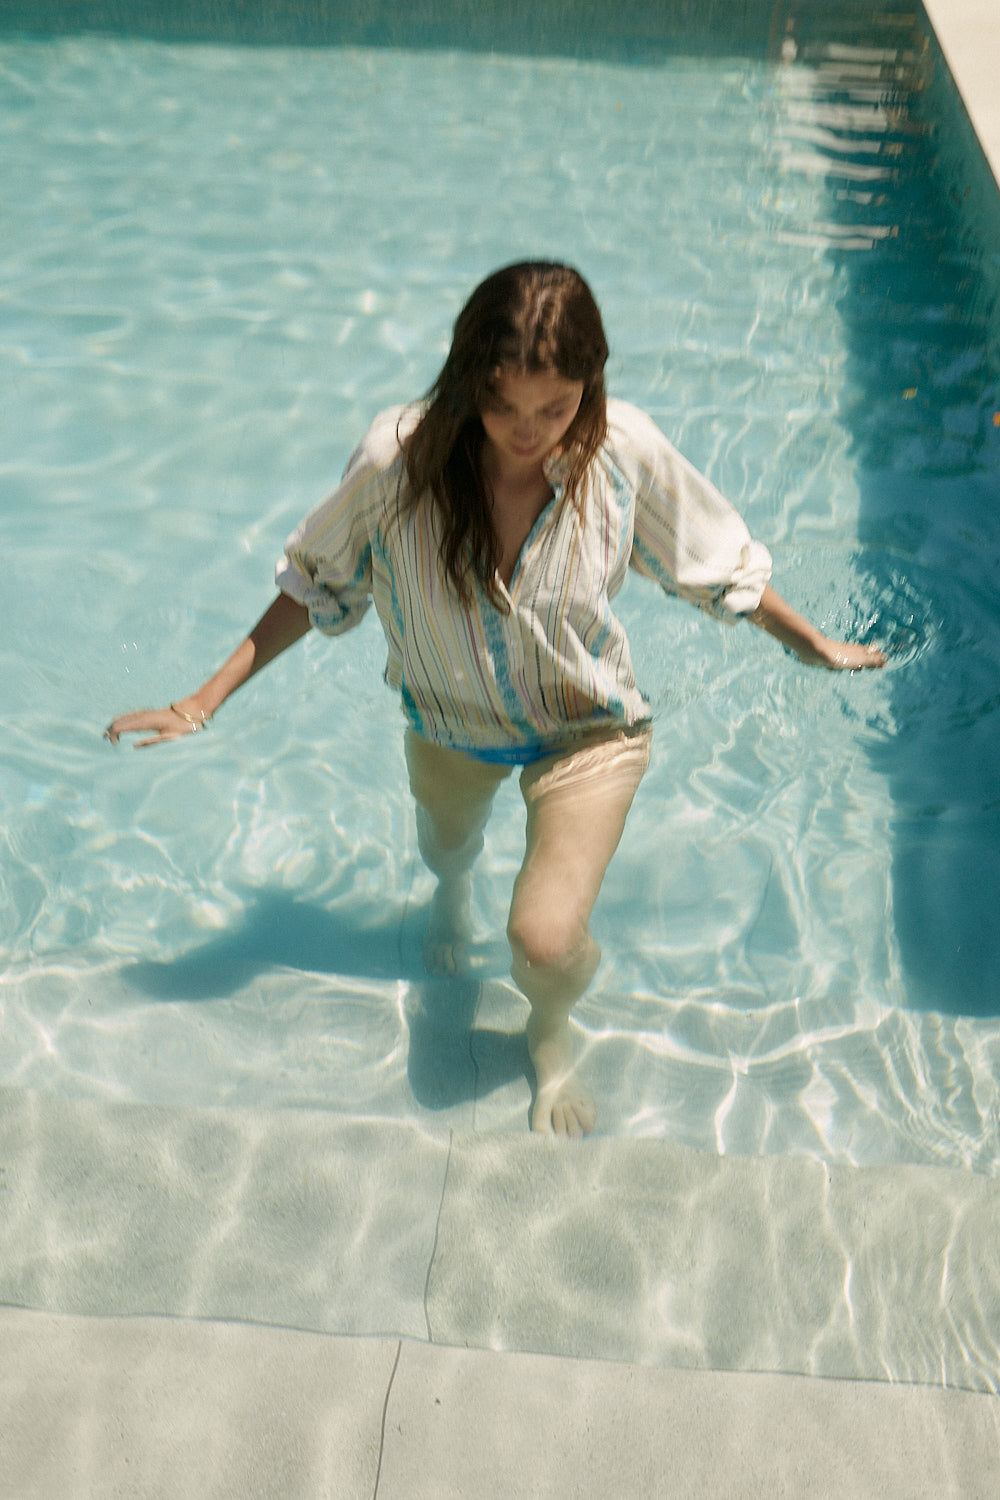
<point>282,624</point>
<point>158,724</point>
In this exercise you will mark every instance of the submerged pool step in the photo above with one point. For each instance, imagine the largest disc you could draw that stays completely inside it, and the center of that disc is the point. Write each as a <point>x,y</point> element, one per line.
<point>633,1251</point>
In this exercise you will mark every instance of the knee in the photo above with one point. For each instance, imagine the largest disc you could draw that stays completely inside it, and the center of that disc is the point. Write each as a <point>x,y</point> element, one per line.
<point>449,835</point>
<point>543,939</point>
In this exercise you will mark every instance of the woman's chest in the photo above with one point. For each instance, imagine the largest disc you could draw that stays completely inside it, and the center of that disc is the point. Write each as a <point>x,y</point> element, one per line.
<point>515,515</point>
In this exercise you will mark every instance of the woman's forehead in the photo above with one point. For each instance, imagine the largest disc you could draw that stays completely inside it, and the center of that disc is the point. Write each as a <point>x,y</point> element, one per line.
<point>535,388</point>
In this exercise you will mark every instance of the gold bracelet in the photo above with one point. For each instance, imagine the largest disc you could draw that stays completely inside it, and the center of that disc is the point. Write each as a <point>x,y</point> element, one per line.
<point>196,724</point>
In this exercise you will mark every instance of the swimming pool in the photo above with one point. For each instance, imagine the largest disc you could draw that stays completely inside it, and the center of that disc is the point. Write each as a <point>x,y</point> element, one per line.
<point>225,260</point>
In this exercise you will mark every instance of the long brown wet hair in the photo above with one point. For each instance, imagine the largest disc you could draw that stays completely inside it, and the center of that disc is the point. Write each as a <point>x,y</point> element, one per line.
<point>536,317</point>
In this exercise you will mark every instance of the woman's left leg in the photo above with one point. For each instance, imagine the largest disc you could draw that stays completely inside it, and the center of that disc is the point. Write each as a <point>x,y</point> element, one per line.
<point>577,804</point>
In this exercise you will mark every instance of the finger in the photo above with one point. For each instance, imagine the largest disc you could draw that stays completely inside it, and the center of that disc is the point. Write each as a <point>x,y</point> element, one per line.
<point>849,657</point>
<point>864,657</point>
<point>114,732</point>
<point>127,724</point>
<point>161,736</point>
<point>151,721</point>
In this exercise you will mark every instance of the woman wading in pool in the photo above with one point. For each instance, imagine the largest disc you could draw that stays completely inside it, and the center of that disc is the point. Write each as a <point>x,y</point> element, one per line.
<point>492,526</point>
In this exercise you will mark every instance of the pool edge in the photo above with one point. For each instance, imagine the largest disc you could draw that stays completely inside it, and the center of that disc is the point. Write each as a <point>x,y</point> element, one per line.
<point>161,1405</point>
<point>968,33</point>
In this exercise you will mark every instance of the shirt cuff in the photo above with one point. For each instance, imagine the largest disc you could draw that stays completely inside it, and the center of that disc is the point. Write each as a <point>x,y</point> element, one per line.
<point>750,579</point>
<point>327,613</point>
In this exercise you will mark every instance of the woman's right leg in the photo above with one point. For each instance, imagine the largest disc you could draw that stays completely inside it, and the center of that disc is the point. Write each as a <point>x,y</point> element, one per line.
<point>454,794</point>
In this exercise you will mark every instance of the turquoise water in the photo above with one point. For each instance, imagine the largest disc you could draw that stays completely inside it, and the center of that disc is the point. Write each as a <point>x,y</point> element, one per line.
<point>223,262</point>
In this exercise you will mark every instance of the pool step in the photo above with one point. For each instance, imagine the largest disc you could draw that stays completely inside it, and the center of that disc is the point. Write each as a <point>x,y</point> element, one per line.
<point>633,1251</point>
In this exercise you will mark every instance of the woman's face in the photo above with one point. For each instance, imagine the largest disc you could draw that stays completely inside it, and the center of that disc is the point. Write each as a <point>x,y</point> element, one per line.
<point>525,417</point>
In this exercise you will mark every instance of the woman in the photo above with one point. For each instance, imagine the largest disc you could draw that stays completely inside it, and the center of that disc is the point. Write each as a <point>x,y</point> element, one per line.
<point>491,526</point>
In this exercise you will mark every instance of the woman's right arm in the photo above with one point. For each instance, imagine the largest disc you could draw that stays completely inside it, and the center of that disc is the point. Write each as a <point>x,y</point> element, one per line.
<point>280,627</point>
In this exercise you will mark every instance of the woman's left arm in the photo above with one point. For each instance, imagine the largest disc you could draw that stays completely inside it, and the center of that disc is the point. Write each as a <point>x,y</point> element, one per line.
<point>810,645</point>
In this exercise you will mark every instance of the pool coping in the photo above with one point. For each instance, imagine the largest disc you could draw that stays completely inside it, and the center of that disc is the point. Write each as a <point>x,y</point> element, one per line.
<point>161,1407</point>
<point>968,32</point>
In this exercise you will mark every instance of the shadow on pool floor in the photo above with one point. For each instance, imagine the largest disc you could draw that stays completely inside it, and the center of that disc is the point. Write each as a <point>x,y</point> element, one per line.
<point>450,1060</point>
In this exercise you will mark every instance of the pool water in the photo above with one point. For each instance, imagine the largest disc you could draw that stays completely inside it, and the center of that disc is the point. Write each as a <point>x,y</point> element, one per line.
<point>222,263</point>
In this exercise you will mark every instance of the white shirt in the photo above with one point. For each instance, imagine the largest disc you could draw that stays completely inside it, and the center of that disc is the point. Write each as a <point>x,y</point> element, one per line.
<point>557,662</point>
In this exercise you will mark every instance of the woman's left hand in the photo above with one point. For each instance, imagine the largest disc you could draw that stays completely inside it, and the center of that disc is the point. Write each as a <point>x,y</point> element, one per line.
<point>845,656</point>
<point>810,645</point>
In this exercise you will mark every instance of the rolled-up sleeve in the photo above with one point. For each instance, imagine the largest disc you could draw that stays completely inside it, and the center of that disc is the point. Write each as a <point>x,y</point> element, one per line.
<point>688,537</point>
<point>327,563</point>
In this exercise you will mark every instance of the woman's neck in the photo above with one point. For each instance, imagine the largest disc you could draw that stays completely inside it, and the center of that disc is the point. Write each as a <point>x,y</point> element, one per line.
<point>502,472</point>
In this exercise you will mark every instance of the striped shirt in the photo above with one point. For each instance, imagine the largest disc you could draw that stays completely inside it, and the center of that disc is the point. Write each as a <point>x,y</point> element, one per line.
<point>556,662</point>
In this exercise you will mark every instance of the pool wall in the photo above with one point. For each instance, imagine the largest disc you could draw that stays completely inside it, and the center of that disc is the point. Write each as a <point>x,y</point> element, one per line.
<point>578,28</point>
<point>969,35</point>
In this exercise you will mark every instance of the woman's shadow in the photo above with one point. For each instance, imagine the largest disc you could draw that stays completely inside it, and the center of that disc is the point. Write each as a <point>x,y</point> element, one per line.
<point>450,1060</point>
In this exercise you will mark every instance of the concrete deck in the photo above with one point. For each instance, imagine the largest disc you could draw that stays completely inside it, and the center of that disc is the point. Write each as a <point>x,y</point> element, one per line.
<point>154,1409</point>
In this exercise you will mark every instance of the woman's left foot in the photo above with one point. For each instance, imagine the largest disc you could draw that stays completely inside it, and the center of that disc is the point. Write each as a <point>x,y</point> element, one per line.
<point>562,1105</point>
